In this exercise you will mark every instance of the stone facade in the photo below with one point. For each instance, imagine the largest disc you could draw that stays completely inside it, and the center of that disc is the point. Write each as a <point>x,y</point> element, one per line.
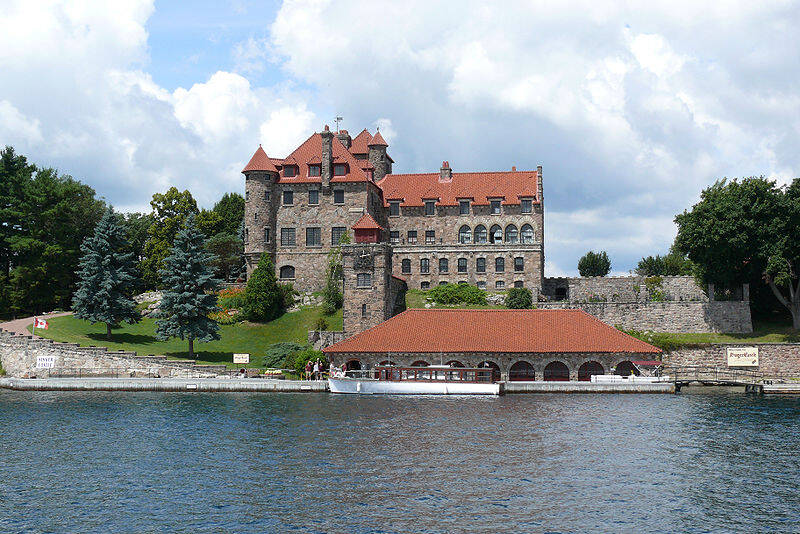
<point>18,355</point>
<point>622,289</point>
<point>774,359</point>
<point>671,316</point>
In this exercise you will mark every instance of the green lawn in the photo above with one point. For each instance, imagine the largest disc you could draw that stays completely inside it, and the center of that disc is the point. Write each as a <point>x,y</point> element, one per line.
<point>763,332</point>
<point>415,298</point>
<point>241,337</point>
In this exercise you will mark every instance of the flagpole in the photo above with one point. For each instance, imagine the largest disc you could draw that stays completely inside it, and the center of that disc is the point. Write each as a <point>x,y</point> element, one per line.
<point>34,326</point>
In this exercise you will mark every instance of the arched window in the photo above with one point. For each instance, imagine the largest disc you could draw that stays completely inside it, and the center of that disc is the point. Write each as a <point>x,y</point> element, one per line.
<point>512,236</point>
<point>443,265</point>
<point>462,265</point>
<point>480,234</point>
<point>287,272</point>
<point>500,264</point>
<point>464,234</point>
<point>406,266</point>
<point>527,234</point>
<point>496,234</point>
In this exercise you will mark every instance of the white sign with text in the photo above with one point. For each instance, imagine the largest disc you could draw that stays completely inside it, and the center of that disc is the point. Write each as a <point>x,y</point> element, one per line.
<point>742,356</point>
<point>241,358</point>
<point>45,362</point>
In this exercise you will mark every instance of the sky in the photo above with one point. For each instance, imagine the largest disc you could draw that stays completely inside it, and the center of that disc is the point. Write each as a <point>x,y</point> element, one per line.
<point>631,111</point>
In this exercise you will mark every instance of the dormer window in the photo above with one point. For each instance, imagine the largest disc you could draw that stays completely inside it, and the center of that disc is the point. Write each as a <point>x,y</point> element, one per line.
<point>430,207</point>
<point>394,208</point>
<point>526,205</point>
<point>463,207</point>
<point>314,170</point>
<point>495,207</point>
<point>339,169</point>
<point>290,171</point>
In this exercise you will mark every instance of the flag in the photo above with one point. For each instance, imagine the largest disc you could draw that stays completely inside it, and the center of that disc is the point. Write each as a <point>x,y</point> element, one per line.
<point>40,323</point>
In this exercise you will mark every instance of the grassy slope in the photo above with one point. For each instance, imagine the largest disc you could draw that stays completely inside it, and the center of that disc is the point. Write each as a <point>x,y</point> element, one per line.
<point>415,298</point>
<point>242,337</point>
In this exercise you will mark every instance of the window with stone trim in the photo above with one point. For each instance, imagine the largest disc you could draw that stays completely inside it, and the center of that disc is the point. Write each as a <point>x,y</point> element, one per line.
<point>519,264</point>
<point>526,205</point>
<point>266,235</point>
<point>314,237</point>
<point>425,285</point>
<point>364,310</point>
<point>526,235</point>
<point>336,234</point>
<point>430,207</point>
<point>247,196</point>
<point>463,207</point>
<point>287,272</point>
<point>430,237</point>
<point>315,170</point>
<point>313,197</point>
<point>412,237</point>
<point>496,234</point>
<point>394,236</point>
<point>394,208</point>
<point>444,265</point>
<point>512,234</point>
<point>519,283</point>
<point>494,207</point>
<point>464,235</point>
<point>480,265</point>
<point>480,234</point>
<point>288,197</point>
<point>255,216</point>
<point>499,264</point>
<point>338,196</point>
<point>424,265</point>
<point>500,284</point>
<point>339,169</point>
<point>462,265</point>
<point>481,284</point>
<point>364,280</point>
<point>405,266</point>
<point>288,238</point>
<point>266,195</point>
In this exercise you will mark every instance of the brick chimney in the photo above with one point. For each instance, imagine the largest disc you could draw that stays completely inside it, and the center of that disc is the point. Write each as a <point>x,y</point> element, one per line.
<point>327,158</point>
<point>344,137</point>
<point>445,173</point>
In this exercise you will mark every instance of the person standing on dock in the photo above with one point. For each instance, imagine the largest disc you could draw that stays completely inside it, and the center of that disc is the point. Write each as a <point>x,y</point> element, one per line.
<point>316,369</point>
<point>308,370</point>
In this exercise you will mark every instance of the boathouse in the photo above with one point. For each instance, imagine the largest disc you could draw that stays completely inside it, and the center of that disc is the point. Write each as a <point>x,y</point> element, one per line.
<point>552,345</point>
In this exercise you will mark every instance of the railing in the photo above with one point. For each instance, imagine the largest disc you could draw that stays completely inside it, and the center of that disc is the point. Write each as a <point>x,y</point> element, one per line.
<point>697,373</point>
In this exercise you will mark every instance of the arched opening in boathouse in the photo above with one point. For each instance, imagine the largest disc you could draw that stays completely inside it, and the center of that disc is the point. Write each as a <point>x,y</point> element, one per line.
<point>588,369</point>
<point>353,365</point>
<point>626,368</point>
<point>521,371</point>
<point>493,366</point>
<point>556,372</point>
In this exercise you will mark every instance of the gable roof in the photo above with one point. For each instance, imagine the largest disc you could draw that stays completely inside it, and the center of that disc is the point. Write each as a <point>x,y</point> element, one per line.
<point>311,152</point>
<point>366,222</point>
<point>510,331</point>
<point>260,162</point>
<point>479,186</point>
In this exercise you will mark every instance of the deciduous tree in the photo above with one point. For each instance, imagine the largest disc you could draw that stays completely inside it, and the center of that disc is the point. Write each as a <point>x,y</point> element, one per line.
<point>170,211</point>
<point>594,264</point>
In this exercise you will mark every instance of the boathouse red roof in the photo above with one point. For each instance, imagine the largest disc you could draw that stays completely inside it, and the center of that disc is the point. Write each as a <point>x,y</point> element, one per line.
<point>511,331</point>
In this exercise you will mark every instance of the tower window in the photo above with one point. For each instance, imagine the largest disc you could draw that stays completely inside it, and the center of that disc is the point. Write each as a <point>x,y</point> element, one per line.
<point>462,265</point>
<point>288,237</point>
<point>266,235</point>
<point>500,264</point>
<point>313,197</point>
<point>363,280</point>
<point>313,237</point>
<point>287,272</point>
<point>480,265</point>
<point>338,196</point>
<point>500,284</point>
<point>412,237</point>
<point>336,234</point>
<point>444,265</point>
<point>425,285</point>
<point>266,195</point>
<point>288,197</point>
<point>430,237</point>
<point>406,266</point>
<point>247,196</point>
<point>394,236</point>
<point>424,265</point>
<point>519,264</point>
<point>364,310</point>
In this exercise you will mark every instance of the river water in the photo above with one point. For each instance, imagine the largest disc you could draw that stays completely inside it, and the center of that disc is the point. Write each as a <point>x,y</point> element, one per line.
<point>145,462</point>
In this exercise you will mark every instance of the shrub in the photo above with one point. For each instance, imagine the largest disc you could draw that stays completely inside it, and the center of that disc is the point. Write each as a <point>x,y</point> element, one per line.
<point>231,298</point>
<point>288,294</point>
<point>264,298</point>
<point>321,324</point>
<point>278,353</point>
<point>224,316</point>
<point>594,264</point>
<point>519,298</point>
<point>300,358</point>
<point>457,294</point>
<point>654,285</point>
<point>663,341</point>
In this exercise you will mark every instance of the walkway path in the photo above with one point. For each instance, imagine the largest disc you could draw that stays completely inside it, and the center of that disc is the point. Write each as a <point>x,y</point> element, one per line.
<point>20,326</point>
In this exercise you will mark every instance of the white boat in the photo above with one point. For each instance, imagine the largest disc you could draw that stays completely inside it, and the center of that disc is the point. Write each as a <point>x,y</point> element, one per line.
<point>434,380</point>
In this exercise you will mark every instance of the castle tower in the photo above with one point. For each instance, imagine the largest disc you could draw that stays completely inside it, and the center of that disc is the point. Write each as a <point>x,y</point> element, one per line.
<point>260,176</point>
<point>368,298</point>
<point>378,157</point>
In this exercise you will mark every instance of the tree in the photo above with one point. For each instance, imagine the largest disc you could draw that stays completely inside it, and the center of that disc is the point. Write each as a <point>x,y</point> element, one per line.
<point>209,223</point>
<point>170,211</point>
<point>519,298</point>
<point>594,264</point>
<point>672,264</point>
<point>188,280</point>
<point>106,277</point>
<point>746,232</point>
<point>230,209</point>
<point>228,252</point>
<point>263,298</point>
<point>332,297</point>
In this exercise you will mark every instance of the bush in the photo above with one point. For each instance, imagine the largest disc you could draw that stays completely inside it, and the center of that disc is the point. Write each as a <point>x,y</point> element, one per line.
<point>663,341</point>
<point>457,294</point>
<point>278,353</point>
<point>288,294</point>
<point>519,298</point>
<point>223,317</point>
<point>594,264</point>
<point>231,298</point>
<point>321,324</point>
<point>265,299</point>
<point>300,358</point>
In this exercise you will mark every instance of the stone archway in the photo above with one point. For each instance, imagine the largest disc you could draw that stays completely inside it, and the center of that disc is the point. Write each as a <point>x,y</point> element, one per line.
<point>626,368</point>
<point>494,367</point>
<point>588,369</point>
<point>420,363</point>
<point>353,365</point>
<point>387,363</point>
<point>455,363</point>
<point>556,371</point>
<point>521,371</point>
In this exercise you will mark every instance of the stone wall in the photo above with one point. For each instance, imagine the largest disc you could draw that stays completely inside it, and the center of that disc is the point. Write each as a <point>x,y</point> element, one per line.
<point>18,355</point>
<point>670,316</point>
<point>320,339</point>
<point>368,305</point>
<point>775,359</point>
<point>625,289</point>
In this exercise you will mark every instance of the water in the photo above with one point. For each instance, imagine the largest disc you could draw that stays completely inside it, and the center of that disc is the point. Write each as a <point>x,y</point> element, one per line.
<point>110,462</point>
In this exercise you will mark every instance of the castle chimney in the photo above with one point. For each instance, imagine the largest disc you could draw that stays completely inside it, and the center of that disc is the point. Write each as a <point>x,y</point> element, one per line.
<point>327,158</point>
<point>345,138</point>
<point>445,173</point>
<point>513,168</point>
<point>540,191</point>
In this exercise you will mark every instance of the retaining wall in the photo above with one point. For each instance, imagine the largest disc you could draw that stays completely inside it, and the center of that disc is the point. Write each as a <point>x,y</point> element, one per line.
<point>670,316</point>
<point>321,339</point>
<point>18,355</point>
<point>632,289</point>
<point>773,358</point>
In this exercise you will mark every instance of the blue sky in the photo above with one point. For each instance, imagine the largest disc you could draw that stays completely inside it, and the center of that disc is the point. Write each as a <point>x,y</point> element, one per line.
<point>630,110</point>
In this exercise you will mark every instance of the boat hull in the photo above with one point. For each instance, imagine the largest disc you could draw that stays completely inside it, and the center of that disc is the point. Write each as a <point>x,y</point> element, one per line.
<point>361,386</point>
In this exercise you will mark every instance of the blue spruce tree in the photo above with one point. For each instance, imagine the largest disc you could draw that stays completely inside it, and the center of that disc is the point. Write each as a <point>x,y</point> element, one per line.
<point>188,280</point>
<point>106,277</point>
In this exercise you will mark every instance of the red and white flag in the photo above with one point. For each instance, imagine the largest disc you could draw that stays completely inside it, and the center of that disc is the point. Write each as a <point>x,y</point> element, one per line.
<point>40,323</point>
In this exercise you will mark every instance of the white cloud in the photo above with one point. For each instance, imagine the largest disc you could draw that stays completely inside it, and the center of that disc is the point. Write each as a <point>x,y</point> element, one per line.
<point>285,129</point>
<point>15,125</point>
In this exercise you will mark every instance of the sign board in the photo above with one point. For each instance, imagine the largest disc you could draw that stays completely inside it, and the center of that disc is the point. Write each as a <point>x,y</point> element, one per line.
<point>742,356</point>
<point>45,362</point>
<point>241,358</point>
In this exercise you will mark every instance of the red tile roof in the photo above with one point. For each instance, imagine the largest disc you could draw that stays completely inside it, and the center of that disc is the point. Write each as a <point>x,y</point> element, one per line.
<point>477,185</point>
<point>511,331</point>
<point>260,162</point>
<point>366,222</point>
<point>360,143</point>
<point>311,152</point>
<point>377,140</point>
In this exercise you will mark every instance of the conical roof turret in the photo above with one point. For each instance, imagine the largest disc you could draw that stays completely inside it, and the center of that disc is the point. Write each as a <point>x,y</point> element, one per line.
<point>260,162</point>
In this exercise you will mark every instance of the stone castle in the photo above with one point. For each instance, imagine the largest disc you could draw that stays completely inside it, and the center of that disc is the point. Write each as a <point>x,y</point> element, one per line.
<point>480,228</point>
